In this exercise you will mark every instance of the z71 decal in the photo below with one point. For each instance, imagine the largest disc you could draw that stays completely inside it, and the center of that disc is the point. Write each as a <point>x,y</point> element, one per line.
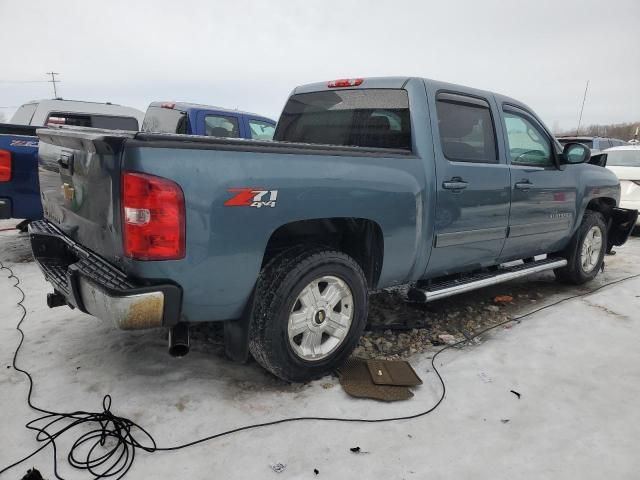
<point>252,197</point>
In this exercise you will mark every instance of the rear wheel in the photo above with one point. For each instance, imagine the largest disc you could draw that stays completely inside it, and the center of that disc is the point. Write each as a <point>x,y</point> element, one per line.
<point>309,311</point>
<point>585,253</point>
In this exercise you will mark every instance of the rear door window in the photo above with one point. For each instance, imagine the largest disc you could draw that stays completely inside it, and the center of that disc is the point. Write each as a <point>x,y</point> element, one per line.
<point>359,117</point>
<point>261,130</point>
<point>466,128</point>
<point>221,126</point>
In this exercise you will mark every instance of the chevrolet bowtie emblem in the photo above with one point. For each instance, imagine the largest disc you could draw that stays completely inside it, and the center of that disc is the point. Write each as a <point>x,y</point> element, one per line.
<point>67,191</point>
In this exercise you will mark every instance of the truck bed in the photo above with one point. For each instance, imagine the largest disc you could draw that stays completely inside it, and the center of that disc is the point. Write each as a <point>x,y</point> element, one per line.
<point>311,180</point>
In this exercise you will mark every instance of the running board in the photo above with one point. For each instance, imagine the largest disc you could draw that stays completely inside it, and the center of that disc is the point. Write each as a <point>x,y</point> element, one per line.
<point>479,280</point>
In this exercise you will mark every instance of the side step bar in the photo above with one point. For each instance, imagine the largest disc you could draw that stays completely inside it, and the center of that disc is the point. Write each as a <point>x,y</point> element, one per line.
<point>452,287</point>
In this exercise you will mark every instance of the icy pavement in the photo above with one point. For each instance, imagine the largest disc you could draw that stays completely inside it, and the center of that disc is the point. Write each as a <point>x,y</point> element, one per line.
<point>576,366</point>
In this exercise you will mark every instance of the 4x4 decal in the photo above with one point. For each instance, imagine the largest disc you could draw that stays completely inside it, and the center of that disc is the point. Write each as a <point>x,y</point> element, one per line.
<point>252,197</point>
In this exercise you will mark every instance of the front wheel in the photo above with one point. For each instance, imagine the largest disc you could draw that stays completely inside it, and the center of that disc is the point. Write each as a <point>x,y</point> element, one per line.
<point>585,253</point>
<point>309,311</point>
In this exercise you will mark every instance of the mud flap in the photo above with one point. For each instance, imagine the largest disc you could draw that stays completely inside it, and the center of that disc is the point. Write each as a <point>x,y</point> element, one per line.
<point>623,221</point>
<point>236,335</point>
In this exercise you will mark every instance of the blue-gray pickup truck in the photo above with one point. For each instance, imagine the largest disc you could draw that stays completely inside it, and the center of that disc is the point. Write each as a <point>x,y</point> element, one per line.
<point>369,183</point>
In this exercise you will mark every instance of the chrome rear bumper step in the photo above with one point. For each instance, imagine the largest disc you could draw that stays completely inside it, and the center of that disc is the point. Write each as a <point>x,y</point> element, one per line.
<point>452,287</point>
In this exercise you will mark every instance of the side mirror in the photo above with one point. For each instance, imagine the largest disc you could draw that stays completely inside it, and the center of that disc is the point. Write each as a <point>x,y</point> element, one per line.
<point>576,153</point>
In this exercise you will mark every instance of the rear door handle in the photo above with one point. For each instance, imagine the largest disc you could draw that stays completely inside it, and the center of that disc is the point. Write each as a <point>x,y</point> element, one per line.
<point>456,183</point>
<point>524,185</point>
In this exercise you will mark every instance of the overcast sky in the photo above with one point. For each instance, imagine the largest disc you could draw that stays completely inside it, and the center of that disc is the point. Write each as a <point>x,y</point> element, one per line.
<point>250,54</point>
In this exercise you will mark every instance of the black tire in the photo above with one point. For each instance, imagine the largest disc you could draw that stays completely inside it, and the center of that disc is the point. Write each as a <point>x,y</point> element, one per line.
<point>278,287</point>
<point>635,232</point>
<point>574,272</point>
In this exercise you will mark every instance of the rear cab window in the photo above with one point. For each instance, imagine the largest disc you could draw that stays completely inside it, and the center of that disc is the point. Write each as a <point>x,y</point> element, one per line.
<point>467,132</point>
<point>108,122</point>
<point>363,117</point>
<point>165,120</point>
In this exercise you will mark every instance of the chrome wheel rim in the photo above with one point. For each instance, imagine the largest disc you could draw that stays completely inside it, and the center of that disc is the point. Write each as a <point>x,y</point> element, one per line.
<point>591,249</point>
<point>320,318</point>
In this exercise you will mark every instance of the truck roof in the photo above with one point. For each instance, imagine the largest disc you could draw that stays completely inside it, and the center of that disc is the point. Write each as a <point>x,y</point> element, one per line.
<point>185,106</point>
<point>45,106</point>
<point>400,82</point>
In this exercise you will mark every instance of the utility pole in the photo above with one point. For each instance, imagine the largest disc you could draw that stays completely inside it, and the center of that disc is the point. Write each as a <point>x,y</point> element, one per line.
<point>582,108</point>
<point>53,80</point>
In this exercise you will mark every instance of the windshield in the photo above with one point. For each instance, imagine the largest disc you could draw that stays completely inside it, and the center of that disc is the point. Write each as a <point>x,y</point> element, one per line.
<point>363,117</point>
<point>623,158</point>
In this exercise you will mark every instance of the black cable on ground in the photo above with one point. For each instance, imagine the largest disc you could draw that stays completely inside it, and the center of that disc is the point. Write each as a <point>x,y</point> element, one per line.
<point>109,449</point>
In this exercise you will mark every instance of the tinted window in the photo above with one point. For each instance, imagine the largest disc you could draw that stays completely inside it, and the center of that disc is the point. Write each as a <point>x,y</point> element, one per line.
<point>360,117</point>
<point>466,132</point>
<point>527,144</point>
<point>603,144</point>
<point>221,126</point>
<point>24,114</point>
<point>261,130</point>
<point>95,121</point>
<point>165,120</point>
<point>114,123</point>
<point>623,158</point>
<point>588,143</point>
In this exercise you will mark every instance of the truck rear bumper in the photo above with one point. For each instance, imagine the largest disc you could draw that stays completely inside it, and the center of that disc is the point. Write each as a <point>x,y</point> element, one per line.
<point>94,286</point>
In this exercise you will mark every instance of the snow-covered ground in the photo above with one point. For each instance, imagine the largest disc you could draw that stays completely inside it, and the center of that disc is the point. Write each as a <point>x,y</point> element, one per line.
<point>576,365</point>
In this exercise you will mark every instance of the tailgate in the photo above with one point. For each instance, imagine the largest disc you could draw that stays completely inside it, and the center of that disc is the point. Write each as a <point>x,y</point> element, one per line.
<point>79,171</point>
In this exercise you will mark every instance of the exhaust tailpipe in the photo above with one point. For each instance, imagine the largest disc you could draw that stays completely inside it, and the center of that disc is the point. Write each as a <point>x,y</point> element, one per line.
<point>179,340</point>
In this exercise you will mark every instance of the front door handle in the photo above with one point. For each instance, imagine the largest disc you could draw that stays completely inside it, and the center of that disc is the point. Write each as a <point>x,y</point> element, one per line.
<point>456,183</point>
<point>524,185</point>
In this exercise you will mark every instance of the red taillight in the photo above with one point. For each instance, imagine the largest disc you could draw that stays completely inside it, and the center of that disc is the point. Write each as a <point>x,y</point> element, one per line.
<point>345,82</point>
<point>5,166</point>
<point>153,223</point>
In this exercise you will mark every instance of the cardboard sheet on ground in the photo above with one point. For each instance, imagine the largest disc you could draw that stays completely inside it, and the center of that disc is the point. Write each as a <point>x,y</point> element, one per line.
<point>356,379</point>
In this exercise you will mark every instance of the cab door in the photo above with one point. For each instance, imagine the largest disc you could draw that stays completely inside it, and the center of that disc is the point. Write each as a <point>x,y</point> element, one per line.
<point>543,197</point>
<point>473,184</point>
